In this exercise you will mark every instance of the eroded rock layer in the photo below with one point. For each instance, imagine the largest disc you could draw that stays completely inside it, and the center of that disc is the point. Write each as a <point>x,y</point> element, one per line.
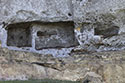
<point>97,25</point>
<point>73,29</point>
<point>102,67</point>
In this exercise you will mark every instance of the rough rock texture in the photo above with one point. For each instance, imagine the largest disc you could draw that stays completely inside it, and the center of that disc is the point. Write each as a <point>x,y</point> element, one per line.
<point>29,10</point>
<point>99,25</point>
<point>102,67</point>
<point>54,35</point>
<point>19,35</point>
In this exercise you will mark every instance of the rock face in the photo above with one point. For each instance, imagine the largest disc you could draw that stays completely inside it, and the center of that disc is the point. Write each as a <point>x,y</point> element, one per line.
<point>70,28</point>
<point>47,35</point>
<point>13,11</point>
<point>102,67</point>
<point>54,35</point>
<point>19,35</point>
<point>101,24</point>
<point>97,25</point>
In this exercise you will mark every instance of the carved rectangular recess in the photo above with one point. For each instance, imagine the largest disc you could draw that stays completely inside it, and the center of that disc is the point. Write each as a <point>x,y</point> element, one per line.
<point>19,35</point>
<point>55,35</point>
<point>106,30</point>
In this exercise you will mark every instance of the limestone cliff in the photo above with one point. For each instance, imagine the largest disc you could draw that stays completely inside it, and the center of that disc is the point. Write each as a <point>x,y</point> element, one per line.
<point>62,25</point>
<point>63,39</point>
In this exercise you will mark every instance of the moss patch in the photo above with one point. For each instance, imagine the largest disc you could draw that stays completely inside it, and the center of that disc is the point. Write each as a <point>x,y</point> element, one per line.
<point>40,81</point>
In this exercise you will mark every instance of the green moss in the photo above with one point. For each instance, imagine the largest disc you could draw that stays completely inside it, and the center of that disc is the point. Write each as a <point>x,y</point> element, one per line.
<point>40,81</point>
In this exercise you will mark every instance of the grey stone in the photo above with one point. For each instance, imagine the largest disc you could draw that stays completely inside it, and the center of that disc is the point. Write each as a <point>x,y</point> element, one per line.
<point>54,35</point>
<point>102,67</point>
<point>13,11</point>
<point>100,22</point>
<point>19,35</point>
<point>89,10</point>
<point>99,26</point>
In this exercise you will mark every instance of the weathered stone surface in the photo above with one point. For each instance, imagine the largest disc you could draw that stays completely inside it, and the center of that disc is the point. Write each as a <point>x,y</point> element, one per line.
<point>100,22</point>
<point>29,10</point>
<point>56,38</point>
<point>103,67</point>
<point>54,35</point>
<point>92,10</point>
<point>19,35</point>
<point>99,26</point>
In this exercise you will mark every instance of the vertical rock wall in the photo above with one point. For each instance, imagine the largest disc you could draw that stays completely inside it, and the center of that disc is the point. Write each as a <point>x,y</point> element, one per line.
<point>98,25</point>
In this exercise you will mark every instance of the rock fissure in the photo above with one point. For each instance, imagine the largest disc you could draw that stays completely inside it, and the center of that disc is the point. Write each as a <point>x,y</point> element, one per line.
<point>48,65</point>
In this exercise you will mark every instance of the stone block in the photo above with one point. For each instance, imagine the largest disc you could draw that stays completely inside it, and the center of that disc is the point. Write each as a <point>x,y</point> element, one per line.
<point>54,35</point>
<point>19,35</point>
